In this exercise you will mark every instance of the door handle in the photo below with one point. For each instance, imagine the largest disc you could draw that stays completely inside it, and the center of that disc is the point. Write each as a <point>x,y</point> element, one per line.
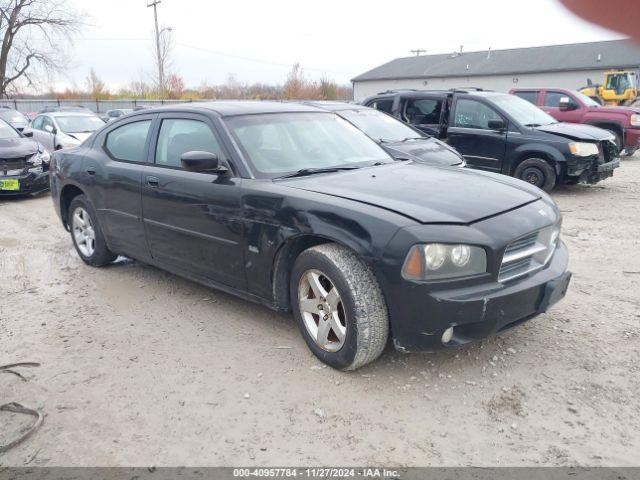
<point>91,170</point>
<point>153,181</point>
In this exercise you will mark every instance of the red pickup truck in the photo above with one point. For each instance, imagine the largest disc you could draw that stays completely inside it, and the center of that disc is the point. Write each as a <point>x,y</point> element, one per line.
<point>574,107</point>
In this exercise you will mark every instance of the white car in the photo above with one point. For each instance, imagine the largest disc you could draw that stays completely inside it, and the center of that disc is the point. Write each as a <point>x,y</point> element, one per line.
<point>56,130</point>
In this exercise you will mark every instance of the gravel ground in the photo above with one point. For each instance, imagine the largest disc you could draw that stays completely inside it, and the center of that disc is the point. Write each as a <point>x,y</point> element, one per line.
<point>140,367</point>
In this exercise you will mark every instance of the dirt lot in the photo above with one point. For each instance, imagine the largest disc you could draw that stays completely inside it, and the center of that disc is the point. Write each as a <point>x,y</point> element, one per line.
<point>142,368</point>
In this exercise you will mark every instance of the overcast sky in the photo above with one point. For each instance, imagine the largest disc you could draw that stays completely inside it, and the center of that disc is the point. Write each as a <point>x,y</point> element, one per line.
<point>259,40</point>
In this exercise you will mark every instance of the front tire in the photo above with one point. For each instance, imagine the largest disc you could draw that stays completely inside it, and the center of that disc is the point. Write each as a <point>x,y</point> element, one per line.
<point>87,235</point>
<point>339,307</point>
<point>538,172</point>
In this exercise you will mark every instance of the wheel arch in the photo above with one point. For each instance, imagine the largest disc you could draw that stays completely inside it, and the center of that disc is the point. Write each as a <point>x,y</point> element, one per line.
<point>285,257</point>
<point>609,125</point>
<point>551,155</point>
<point>67,194</point>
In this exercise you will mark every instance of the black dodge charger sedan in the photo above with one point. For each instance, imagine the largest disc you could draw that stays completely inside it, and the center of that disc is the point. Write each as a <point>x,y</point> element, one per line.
<point>294,207</point>
<point>24,163</point>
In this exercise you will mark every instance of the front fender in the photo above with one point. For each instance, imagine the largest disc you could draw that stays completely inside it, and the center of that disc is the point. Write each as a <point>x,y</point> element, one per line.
<point>275,217</point>
<point>536,150</point>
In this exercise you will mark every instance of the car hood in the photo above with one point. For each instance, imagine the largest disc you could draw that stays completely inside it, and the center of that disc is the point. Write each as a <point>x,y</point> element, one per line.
<point>425,193</point>
<point>17,147</point>
<point>428,150</point>
<point>576,131</point>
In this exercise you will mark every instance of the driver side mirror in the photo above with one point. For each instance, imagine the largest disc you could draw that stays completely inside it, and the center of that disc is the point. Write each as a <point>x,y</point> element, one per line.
<point>50,129</point>
<point>566,104</point>
<point>498,125</point>
<point>204,162</point>
<point>28,133</point>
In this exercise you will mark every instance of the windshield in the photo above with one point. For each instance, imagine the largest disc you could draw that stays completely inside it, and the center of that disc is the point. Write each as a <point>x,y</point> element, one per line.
<point>379,126</point>
<point>588,101</point>
<point>522,111</point>
<point>283,143</point>
<point>6,131</point>
<point>79,123</point>
<point>13,116</point>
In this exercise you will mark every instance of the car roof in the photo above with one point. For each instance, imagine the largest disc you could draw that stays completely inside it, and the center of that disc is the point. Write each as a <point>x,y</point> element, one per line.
<point>333,106</point>
<point>70,113</point>
<point>229,108</point>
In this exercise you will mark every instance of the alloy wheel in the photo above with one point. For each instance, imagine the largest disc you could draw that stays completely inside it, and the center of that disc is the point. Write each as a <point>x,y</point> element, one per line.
<point>83,232</point>
<point>322,310</point>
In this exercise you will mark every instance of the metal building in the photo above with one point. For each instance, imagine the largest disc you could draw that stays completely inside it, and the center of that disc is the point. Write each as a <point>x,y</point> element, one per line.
<point>560,66</point>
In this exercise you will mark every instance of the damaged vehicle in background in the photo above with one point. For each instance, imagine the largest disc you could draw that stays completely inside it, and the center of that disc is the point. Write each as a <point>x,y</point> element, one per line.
<point>14,118</point>
<point>398,139</point>
<point>24,163</point>
<point>63,129</point>
<point>293,207</point>
<point>503,133</point>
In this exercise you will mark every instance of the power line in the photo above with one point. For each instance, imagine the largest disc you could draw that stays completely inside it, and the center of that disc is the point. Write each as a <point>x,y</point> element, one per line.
<point>223,54</point>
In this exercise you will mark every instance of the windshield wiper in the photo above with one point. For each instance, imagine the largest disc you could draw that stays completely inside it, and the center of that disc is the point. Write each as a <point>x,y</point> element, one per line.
<point>532,125</point>
<point>311,171</point>
<point>413,138</point>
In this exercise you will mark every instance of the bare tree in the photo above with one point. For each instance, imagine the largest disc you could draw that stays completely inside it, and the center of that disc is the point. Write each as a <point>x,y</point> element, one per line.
<point>163,60</point>
<point>96,87</point>
<point>33,33</point>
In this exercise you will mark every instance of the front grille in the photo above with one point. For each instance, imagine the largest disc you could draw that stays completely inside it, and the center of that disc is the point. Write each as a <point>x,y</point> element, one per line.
<point>13,164</point>
<point>528,254</point>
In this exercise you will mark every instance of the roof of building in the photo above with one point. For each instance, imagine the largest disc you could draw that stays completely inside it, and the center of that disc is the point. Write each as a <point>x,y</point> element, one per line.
<point>575,56</point>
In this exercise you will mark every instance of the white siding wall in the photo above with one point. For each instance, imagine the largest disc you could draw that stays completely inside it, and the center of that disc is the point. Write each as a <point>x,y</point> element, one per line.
<point>499,83</point>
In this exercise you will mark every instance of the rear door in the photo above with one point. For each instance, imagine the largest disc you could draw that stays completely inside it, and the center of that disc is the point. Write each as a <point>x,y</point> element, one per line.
<point>469,133</point>
<point>551,104</point>
<point>192,219</point>
<point>113,172</point>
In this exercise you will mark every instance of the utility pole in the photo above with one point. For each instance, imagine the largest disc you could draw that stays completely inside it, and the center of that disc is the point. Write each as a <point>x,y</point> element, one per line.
<point>154,4</point>
<point>418,51</point>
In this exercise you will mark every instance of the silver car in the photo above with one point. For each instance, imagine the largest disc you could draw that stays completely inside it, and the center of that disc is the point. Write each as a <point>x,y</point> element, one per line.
<point>56,130</point>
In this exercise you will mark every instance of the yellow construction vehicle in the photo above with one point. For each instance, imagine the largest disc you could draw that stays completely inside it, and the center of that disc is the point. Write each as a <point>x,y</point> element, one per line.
<point>620,87</point>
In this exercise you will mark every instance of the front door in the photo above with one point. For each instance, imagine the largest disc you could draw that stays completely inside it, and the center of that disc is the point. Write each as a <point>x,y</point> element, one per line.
<point>551,105</point>
<point>192,219</point>
<point>469,133</point>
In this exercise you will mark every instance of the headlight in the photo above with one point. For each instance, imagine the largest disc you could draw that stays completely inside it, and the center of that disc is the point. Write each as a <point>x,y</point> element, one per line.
<point>583,149</point>
<point>635,120</point>
<point>437,261</point>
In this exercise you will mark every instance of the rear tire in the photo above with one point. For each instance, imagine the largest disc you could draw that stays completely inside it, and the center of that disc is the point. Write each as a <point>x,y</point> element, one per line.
<point>339,307</point>
<point>87,235</point>
<point>538,172</point>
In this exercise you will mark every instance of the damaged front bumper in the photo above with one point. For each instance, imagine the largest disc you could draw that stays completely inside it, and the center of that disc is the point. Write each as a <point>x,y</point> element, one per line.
<point>30,182</point>
<point>590,170</point>
<point>482,310</point>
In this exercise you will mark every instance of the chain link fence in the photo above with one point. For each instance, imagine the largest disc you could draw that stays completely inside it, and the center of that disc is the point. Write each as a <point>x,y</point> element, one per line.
<point>32,106</point>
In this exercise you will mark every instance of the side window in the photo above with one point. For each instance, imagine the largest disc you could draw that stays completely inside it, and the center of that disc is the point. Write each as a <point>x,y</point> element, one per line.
<point>37,123</point>
<point>46,122</point>
<point>128,141</point>
<point>178,136</point>
<point>473,114</point>
<point>552,99</point>
<point>423,111</point>
<point>384,105</point>
<point>531,97</point>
